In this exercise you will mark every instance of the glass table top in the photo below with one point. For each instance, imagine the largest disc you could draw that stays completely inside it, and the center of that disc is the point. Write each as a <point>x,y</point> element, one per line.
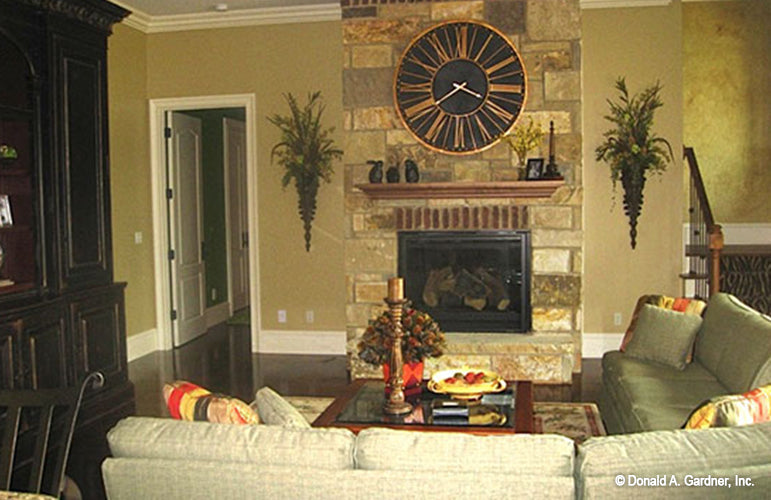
<point>366,407</point>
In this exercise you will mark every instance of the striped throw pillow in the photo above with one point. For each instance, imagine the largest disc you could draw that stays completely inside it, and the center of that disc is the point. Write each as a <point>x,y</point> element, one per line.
<point>737,409</point>
<point>188,401</point>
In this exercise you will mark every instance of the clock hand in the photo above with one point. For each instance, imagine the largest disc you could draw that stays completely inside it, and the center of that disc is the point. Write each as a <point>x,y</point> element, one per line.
<point>468,91</point>
<point>458,88</point>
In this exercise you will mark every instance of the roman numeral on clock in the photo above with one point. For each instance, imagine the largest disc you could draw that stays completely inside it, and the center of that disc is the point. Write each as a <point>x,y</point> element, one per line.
<point>416,87</point>
<point>461,36</point>
<point>506,88</point>
<point>419,109</point>
<point>495,67</point>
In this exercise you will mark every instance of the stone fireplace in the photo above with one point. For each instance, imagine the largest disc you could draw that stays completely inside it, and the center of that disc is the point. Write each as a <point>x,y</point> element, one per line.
<point>475,193</point>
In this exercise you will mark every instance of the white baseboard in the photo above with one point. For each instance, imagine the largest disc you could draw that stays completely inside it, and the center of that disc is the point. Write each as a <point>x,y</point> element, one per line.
<point>217,314</point>
<point>594,345</point>
<point>141,344</point>
<point>302,342</point>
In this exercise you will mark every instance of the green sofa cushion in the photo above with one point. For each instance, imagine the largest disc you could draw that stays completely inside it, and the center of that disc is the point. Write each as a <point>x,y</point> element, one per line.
<point>734,343</point>
<point>621,365</point>
<point>640,395</point>
<point>645,391</point>
<point>663,336</point>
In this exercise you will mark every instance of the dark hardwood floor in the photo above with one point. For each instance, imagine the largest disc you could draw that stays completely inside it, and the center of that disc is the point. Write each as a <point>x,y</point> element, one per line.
<point>222,361</point>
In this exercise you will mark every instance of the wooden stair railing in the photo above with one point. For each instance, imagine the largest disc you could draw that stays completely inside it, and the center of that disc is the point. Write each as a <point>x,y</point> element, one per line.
<point>705,238</point>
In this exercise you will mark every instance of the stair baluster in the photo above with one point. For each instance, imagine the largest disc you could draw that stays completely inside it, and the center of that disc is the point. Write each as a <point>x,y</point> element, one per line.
<point>705,238</point>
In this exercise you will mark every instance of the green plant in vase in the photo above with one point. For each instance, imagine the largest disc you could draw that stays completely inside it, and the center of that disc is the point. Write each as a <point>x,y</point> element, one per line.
<point>523,139</point>
<point>306,152</point>
<point>632,149</point>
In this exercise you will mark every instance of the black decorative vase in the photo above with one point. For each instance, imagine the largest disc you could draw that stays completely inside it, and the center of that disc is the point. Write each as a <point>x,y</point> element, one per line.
<point>392,174</point>
<point>411,173</point>
<point>376,172</point>
<point>633,182</point>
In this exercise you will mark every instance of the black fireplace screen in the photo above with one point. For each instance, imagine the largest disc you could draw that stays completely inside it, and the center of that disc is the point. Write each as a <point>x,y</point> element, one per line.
<point>469,281</point>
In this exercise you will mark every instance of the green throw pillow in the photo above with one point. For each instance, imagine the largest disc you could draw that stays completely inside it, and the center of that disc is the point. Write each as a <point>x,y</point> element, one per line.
<point>664,336</point>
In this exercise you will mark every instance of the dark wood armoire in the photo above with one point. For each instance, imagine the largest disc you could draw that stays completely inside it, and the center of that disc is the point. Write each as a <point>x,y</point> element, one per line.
<point>61,313</point>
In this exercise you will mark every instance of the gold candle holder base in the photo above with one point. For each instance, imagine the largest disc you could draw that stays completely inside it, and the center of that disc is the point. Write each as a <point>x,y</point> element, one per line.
<point>396,405</point>
<point>392,408</point>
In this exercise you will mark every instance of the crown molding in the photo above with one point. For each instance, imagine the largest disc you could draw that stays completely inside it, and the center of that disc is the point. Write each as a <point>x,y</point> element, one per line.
<point>613,4</point>
<point>230,19</point>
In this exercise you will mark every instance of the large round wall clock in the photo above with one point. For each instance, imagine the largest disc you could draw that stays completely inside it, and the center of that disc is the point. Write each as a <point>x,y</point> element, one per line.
<point>459,87</point>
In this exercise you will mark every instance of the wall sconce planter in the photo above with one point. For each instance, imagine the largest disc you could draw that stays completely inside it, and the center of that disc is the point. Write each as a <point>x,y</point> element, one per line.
<point>306,152</point>
<point>631,149</point>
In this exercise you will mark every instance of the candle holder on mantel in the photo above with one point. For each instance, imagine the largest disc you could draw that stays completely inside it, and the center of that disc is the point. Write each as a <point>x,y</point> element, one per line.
<point>552,172</point>
<point>395,404</point>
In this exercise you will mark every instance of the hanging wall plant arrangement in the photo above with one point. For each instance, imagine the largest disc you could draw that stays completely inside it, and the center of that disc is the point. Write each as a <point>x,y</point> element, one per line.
<point>306,152</point>
<point>631,148</point>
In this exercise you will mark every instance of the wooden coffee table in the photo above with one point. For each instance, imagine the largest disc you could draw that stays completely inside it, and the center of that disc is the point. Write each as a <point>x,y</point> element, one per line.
<point>361,406</point>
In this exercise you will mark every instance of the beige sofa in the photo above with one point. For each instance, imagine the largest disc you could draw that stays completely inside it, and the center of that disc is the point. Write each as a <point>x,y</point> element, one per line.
<point>170,459</point>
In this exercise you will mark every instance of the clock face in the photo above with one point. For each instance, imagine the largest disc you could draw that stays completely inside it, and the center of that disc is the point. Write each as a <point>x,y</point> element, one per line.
<point>459,87</point>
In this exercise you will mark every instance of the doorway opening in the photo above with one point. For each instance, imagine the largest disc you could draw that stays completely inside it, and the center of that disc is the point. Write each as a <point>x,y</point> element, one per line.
<point>203,152</point>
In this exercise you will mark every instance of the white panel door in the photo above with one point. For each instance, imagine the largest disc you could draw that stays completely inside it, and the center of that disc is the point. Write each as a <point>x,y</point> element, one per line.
<point>186,223</point>
<point>238,224</point>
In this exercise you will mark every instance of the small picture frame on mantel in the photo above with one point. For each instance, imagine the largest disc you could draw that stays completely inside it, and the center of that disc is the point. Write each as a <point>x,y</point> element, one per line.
<point>6,220</point>
<point>534,169</point>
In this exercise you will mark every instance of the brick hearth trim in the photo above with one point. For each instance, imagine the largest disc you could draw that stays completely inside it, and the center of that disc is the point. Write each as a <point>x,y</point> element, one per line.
<point>461,218</point>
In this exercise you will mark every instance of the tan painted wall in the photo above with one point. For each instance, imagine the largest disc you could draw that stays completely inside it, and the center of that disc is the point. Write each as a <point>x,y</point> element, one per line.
<point>266,61</point>
<point>130,175</point>
<point>727,112</point>
<point>643,44</point>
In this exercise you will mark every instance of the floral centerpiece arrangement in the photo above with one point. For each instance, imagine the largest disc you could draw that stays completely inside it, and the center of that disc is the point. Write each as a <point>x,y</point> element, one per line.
<point>422,339</point>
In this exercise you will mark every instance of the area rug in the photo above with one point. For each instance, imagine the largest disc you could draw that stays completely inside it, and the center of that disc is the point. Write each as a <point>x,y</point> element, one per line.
<point>578,421</point>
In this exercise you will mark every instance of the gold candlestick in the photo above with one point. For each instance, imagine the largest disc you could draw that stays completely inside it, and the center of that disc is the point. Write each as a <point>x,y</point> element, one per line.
<point>552,172</point>
<point>396,405</point>
<point>395,288</point>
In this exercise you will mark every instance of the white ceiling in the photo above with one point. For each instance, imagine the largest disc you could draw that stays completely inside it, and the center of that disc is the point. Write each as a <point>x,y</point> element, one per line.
<point>178,7</point>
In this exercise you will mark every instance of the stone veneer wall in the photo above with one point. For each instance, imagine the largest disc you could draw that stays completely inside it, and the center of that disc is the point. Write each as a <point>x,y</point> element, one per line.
<point>547,35</point>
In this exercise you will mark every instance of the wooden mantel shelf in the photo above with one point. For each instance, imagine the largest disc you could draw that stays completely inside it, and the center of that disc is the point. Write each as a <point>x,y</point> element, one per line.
<point>503,189</point>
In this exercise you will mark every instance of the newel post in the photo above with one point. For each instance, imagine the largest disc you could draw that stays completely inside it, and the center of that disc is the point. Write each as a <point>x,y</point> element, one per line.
<point>715,247</point>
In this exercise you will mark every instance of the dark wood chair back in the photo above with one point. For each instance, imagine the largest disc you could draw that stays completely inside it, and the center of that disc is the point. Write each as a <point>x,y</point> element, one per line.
<point>37,427</point>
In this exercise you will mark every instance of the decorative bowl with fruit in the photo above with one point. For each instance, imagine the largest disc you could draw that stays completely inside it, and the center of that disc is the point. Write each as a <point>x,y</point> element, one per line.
<point>466,384</point>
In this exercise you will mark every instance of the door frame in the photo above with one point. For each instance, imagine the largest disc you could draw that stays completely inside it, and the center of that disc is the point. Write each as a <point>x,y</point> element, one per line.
<point>158,109</point>
<point>228,233</point>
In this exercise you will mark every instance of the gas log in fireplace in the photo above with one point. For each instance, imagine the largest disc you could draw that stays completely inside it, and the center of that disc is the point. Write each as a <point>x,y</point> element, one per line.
<point>469,281</point>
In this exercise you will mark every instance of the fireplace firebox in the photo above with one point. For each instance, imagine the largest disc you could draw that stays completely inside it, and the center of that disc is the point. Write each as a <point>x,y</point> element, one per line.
<point>469,281</point>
